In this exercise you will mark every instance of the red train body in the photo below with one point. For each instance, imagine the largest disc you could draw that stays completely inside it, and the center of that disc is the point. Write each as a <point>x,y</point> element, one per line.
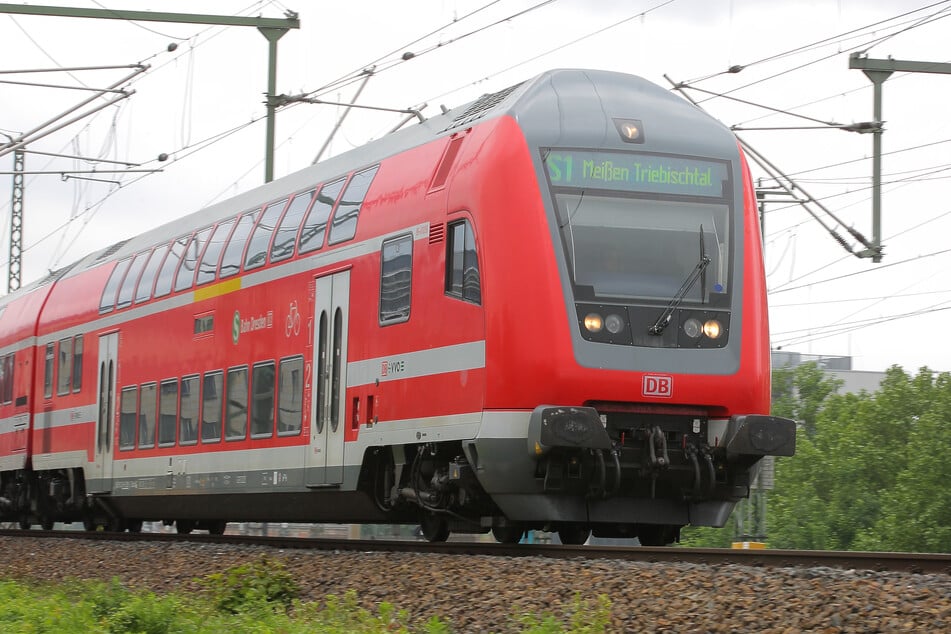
<point>542,310</point>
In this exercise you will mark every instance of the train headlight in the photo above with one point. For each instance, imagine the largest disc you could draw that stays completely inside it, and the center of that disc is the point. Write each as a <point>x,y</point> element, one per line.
<point>614,323</point>
<point>712,328</point>
<point>692,328</point>
<point>593,322</point>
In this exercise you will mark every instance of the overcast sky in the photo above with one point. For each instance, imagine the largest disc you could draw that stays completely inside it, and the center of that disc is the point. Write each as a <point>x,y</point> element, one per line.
<point>794,56</point>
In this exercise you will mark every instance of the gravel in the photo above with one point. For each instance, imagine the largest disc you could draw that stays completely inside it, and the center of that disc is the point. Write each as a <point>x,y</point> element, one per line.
<point>481,593</point>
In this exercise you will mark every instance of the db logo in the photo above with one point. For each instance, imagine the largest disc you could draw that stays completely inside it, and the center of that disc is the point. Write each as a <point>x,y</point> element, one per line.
<point>658,385</point>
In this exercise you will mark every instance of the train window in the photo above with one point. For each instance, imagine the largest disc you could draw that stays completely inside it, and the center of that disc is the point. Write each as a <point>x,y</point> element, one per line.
<point>231,259</point>
<point>163,285</point>
<point>186,272</point>
<point>286,236</point>
<point>188,411</point>
<point>108,300</point>
<point>77,363</point>
<point>315,225</point>
<point>344,225</point>
<point>144,289</point>
<point>237,404</point>
<point>147,408</point>
<point>6,378</point>
<point>131,277</point>
<point>48,370</point>
<point>168,405</point>
<point>127,408</point>
<point>262,400</point>
<point>396,277</point>
<point>261,238</point>
<point>290,397</point>
<point>462,264</point>
<point>211,406</point>
<point>65,364</point>
<point>209,261</point>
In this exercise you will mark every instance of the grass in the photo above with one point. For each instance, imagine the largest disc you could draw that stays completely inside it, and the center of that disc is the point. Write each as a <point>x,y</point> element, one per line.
<point>258,597</point>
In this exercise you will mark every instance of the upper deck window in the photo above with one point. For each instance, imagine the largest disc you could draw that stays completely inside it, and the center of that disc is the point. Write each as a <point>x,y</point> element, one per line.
<point>286,236</point>
<point>257,246</point>
<point>108,300</point>
<point>315,225</point>
<point>163,285</point>
<point>186,272</point>
<point>131,278</point>
<point>231,258</point>
<point>344,225</point>
<point>209,261</point>
<point>144,289</point>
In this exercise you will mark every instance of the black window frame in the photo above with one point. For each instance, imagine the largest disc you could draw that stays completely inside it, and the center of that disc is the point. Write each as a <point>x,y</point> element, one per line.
<point>346,214</point>
<point>461,262</point>
<point>395,314</point>
<point>258,373</point>
<point>161,424</point>
<point>149,274</point>
<point>111,289</point>
<point>295,394</point>
<point>259,242</point>
<point>194,423</point>
<point>208,270</point>
<point>239,408</point>
<point>127,443</point>
<point>322,203</point>
<point>197,243</point>
<point>217,395</point>
<point>231,263</point>
<point>147,434</point>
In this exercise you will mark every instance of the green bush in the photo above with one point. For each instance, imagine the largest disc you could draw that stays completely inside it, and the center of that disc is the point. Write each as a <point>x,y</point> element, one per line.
<point>262,584</point>
<point>256,598</point>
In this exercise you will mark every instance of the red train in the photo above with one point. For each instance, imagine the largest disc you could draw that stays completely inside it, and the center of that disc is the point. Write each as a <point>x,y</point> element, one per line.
<point>545,309</point>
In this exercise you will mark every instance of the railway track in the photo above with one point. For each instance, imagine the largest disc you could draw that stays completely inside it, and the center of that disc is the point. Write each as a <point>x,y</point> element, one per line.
<point>918,563</point>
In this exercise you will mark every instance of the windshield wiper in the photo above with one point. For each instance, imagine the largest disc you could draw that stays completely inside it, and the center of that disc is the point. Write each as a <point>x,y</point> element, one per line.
<point>665,316</point>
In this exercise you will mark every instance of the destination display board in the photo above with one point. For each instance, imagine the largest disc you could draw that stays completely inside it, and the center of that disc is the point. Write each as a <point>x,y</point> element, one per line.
<point>635,172</point>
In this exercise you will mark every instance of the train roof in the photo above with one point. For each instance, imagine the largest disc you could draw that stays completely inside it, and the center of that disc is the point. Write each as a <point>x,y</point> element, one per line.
<point>538,105</point>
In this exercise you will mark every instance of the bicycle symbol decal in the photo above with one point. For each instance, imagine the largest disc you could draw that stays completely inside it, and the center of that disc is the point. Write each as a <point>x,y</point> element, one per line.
<point>292,324</point>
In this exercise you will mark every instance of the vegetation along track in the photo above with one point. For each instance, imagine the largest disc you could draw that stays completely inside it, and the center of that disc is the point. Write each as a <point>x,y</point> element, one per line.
<point>481,587</point>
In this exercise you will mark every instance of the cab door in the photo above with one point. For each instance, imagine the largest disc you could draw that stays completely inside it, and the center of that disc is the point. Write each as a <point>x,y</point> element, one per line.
<point>328,406</point>
<point>101,480</point>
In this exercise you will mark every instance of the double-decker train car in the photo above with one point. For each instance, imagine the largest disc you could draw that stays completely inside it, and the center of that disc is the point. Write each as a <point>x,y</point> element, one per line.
<point>545,309</point>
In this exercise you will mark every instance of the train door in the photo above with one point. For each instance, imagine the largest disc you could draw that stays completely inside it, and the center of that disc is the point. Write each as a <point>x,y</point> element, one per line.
<point>101,480</point>
<point>328,404</point>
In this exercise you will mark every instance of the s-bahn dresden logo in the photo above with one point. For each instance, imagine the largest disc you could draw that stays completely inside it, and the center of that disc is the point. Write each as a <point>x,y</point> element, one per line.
<point>236,327</point>
<point>658,385</point>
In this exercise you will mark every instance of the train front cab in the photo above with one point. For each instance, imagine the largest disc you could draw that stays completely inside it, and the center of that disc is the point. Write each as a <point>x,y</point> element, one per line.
<point>628,383</point>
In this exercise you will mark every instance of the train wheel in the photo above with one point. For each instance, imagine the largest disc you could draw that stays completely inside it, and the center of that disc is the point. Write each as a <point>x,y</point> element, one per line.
<point>508,534</point>
<point>574,534</point>
<point>134,526</point>
<point>217,528</point>
<point>184,527</point>
<point>46,523</point>
<point>24,524</point>
<point>90,525</point>
<point>435,528</point>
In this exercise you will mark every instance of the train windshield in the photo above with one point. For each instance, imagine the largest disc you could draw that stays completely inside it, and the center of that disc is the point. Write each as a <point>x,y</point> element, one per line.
<point>618,247</point>
<point>638,226</point>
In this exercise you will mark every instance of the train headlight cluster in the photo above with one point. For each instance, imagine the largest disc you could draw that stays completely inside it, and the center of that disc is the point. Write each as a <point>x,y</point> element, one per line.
<point>593,322</point>
<point>711,328</point>
<point>613,323</point>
